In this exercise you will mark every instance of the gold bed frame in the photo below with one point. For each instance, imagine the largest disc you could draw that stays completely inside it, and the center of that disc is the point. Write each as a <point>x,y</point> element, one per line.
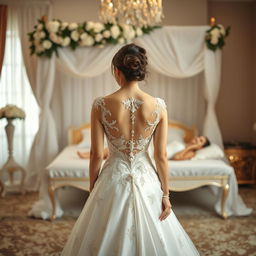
<point>178,183</point>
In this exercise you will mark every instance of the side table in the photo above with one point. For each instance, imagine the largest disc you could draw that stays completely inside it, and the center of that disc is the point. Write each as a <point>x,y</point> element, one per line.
<point>242,156</point>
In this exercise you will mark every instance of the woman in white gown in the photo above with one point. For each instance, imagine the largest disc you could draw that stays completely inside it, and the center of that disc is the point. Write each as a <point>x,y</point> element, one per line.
<point>128,211</point>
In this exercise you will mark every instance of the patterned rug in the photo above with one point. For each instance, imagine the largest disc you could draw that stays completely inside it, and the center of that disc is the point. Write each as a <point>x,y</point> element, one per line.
<point>213,236</point>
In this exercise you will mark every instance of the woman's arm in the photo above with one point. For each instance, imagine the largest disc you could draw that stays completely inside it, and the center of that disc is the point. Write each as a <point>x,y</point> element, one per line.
<point>185,154</point>
<point>188,152</point>
<point>160,155</point>
<point>97,146</point>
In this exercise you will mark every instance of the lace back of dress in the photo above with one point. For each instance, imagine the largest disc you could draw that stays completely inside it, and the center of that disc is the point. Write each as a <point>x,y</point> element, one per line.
<point>136,142</point>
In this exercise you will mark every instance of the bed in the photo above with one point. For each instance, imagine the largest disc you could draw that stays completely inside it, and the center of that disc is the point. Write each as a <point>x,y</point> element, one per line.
<point>68,169</point>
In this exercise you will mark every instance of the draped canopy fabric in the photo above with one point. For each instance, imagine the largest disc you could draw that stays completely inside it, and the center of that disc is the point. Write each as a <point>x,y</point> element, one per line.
<point>175,52</point>
<point>182,71</point>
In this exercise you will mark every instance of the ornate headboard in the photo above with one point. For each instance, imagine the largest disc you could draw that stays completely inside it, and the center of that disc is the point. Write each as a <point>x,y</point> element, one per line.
<point>75,133</point>
<point>189,132</point>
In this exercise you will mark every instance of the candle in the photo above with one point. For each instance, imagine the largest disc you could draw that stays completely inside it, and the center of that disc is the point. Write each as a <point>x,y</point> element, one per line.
<point>212,21</point>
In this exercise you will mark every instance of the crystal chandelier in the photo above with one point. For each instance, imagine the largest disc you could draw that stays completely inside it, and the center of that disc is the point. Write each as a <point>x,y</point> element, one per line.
<point>132,12</point>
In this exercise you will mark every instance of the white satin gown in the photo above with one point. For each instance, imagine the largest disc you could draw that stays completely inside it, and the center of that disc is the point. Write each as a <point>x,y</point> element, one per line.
<point>121,215</point>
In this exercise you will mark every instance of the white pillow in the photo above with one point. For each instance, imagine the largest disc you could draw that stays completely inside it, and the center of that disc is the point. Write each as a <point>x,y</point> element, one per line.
<point>175,134</point>
<point>210,152</point>
<point>174,147</point>
<point>86,141</point>
<point>171,149</point>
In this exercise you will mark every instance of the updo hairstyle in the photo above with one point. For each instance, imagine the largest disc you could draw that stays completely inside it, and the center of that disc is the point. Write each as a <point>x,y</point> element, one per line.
<point>132,61</point>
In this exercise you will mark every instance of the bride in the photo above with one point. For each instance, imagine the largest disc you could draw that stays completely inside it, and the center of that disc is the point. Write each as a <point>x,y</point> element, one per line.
<point>128,211</point>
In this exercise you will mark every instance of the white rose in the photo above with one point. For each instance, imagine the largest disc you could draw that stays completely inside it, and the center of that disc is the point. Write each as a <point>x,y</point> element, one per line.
<point>106,34</point>
<point>39,26</point>
<point>128,32</point>
<point>59,40</point>
<point>42,35</point>
<point>65,41</point>
<point>215,32</point>
<point>72,26</point>
<point>89,25</point>
<point>121,40</point>
<point>139,32</point>
<point>89,41</point>
<point>47,44</point>
<point>36,35</point>
<point>214,40</point>
<point>83,36</point>
<point>64,25</point>
<point>98,27</point>
<point>115,31</point>
<point>53,37</point>
<point>53,26</point>
<point>82,42</point>
<point>98,37</point>
<point>75,35</point>
<point>222,29</point>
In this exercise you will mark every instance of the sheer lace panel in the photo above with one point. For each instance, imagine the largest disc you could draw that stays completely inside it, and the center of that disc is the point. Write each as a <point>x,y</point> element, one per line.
<point>140,132</point>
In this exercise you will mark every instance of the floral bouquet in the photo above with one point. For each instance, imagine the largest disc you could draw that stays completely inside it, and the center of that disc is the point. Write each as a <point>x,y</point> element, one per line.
<point>215,37</point>
<point>12,112</point>
<point>48,36</point>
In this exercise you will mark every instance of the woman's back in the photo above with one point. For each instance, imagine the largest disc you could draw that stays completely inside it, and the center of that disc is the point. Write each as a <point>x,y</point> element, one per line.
<point>129,120</point>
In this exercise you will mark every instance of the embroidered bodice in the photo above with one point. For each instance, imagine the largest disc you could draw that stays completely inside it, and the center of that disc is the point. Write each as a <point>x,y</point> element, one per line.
<point>137,142</point>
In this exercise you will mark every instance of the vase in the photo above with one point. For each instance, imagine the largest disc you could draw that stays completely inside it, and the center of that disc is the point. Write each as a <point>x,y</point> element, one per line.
<point>9,129</point>
<point>11,166</point>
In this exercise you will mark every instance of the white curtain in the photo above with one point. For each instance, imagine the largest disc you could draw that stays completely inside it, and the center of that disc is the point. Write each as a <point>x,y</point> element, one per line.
<point>27,13</point>
<point>175,51</point>
<point>212,77</point>
<point>15,89</point>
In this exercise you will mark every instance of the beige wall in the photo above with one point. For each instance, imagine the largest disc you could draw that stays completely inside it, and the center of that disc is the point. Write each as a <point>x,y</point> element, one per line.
<point>235,102</point>
<point>177,12</point>
<point>185,12</point>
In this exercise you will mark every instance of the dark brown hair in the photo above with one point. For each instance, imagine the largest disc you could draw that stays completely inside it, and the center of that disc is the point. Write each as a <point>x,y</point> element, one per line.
<point>131,60</point>
<point>207,142</point>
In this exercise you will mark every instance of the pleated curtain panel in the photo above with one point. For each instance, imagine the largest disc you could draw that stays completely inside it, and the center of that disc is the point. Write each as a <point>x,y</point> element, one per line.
<point>3,25</point>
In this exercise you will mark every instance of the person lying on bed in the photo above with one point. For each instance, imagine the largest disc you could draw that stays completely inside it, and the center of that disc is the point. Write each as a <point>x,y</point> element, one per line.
<point>86,155</point>
<point>195,144</point>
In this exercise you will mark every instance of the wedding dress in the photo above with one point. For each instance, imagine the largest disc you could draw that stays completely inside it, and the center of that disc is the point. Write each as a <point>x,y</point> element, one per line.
<point>121,215</point>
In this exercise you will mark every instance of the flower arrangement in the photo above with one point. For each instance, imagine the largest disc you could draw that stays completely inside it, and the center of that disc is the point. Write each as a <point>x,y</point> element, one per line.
<point>48,36</point>
<point>215,36</point>
<point>12,112</point>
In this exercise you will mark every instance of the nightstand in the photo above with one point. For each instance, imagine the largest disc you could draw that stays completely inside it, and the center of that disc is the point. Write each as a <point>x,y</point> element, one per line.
<point>242,156</point>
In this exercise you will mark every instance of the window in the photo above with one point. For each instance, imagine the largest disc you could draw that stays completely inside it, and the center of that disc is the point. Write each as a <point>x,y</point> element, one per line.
<point>15,89</point>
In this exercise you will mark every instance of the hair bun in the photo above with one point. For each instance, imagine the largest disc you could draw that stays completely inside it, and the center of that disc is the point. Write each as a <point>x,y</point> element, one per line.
<point>132,61</point>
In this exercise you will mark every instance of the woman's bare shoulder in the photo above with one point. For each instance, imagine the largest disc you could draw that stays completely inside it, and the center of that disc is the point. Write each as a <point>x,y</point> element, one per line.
<point>117,96</point>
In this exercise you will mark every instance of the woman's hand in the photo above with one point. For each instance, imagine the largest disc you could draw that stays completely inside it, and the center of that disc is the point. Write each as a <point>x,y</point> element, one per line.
<point>166,206</point>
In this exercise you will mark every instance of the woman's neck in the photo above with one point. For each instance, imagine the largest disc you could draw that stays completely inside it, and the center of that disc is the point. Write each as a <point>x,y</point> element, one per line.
<point>130,86</point>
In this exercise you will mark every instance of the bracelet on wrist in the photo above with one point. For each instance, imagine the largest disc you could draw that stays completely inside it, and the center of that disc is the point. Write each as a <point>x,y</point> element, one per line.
<point>165,196</point>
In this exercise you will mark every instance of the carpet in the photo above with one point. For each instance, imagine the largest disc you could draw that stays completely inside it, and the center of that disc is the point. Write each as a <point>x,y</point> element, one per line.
<point>213,236</point>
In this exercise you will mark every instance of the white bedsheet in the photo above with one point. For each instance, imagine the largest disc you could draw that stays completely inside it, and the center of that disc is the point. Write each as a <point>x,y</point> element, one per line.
<point>68,163</point>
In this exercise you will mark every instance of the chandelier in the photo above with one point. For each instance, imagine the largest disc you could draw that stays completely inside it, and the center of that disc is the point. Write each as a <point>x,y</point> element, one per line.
<point>138,13</point>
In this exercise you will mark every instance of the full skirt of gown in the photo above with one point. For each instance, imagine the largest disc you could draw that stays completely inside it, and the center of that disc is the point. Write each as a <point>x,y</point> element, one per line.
<point>121,215</point>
